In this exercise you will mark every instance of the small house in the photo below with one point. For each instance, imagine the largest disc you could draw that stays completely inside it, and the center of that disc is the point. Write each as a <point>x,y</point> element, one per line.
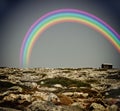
<point>107,66</point>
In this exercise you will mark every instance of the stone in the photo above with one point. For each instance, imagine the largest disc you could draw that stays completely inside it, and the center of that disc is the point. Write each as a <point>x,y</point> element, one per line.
<point>80,104</point>
<point>19,97</point>
<point>42,82</point>
<point>68,93</point>
<point>31,85</point>
<point>53,98</point>
<point>10,97</point>
<point>80,94</point>
<point>58,86</point>
<point>113,108</point>
<point>37,106</point>
<point>97,107</point>
<point>49,89</point>
<point>16,89</point>
<point>75,108</point>
<point>24,97</point>
<point>41,95</point>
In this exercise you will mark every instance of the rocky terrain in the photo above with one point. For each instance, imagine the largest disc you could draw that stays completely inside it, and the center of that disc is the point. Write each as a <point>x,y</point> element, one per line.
<point>60,89</point>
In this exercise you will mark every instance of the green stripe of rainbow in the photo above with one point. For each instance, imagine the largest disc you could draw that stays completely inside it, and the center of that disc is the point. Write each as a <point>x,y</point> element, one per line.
<point>60,16</point>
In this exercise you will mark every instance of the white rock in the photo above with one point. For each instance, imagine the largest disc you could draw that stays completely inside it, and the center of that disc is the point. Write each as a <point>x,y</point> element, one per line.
<point>58,86</point>
<point>42,82</point>
<point>47,89</point>
<point>68,93</point>
<point>78,94</point>
<point>30,84</point>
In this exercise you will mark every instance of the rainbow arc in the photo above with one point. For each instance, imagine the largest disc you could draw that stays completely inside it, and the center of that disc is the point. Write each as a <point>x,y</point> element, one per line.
<point>61,16</point>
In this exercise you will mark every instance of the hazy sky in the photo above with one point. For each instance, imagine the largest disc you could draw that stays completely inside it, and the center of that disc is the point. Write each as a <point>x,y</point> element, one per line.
<point>62,45</point>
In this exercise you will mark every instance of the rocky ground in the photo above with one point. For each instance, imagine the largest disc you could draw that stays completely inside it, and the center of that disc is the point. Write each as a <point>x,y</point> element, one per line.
<point>60,89</point>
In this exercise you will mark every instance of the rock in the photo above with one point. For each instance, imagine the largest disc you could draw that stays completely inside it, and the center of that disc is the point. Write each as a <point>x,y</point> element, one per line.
<point>29,78</point>
<point>82,105</point>
<point>113,108</point>
<point>24,97</point>
<point>41,96</point>
<point>76,94</point>
<point>53,98</point>
<point>49,89</point>
<point>17,101</point>
<point>97,107</point>
<point>80,94</point>
<point>75,108</point>
<point>42,82</point>
<point>68,94</point>
<point>58,86</point>
<point>39,106</point>
<point>19,97</point>
<point>31,85</point>
<point>10,97</point>
<point>16,89</point>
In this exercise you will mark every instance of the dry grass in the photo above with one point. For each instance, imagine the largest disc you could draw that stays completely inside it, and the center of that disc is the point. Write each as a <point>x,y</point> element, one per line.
<point>64,100</point>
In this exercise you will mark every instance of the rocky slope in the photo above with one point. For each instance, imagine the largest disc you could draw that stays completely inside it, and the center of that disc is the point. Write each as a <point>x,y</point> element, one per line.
<point>60,89</point>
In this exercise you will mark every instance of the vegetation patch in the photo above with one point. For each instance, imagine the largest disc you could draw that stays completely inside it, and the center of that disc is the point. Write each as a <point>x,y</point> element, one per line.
<point>64,82</point>
<point>92,81</point>
<point>70,69</point>
<point>43,74</point>
<point>64,100</point>
<point>3,77</point>
<point>5,84</point>
<point>101,69</point>
<point>66,71</point>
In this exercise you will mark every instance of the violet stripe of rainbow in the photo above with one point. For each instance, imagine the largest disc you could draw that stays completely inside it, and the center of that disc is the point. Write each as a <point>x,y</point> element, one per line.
<point>63,13</point>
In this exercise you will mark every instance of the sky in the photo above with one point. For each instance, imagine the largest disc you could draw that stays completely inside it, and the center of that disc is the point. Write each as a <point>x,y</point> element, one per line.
<point>63,45</point>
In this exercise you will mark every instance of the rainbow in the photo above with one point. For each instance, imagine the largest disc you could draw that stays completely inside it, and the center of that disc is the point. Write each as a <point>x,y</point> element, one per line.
<point>60,16</point>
